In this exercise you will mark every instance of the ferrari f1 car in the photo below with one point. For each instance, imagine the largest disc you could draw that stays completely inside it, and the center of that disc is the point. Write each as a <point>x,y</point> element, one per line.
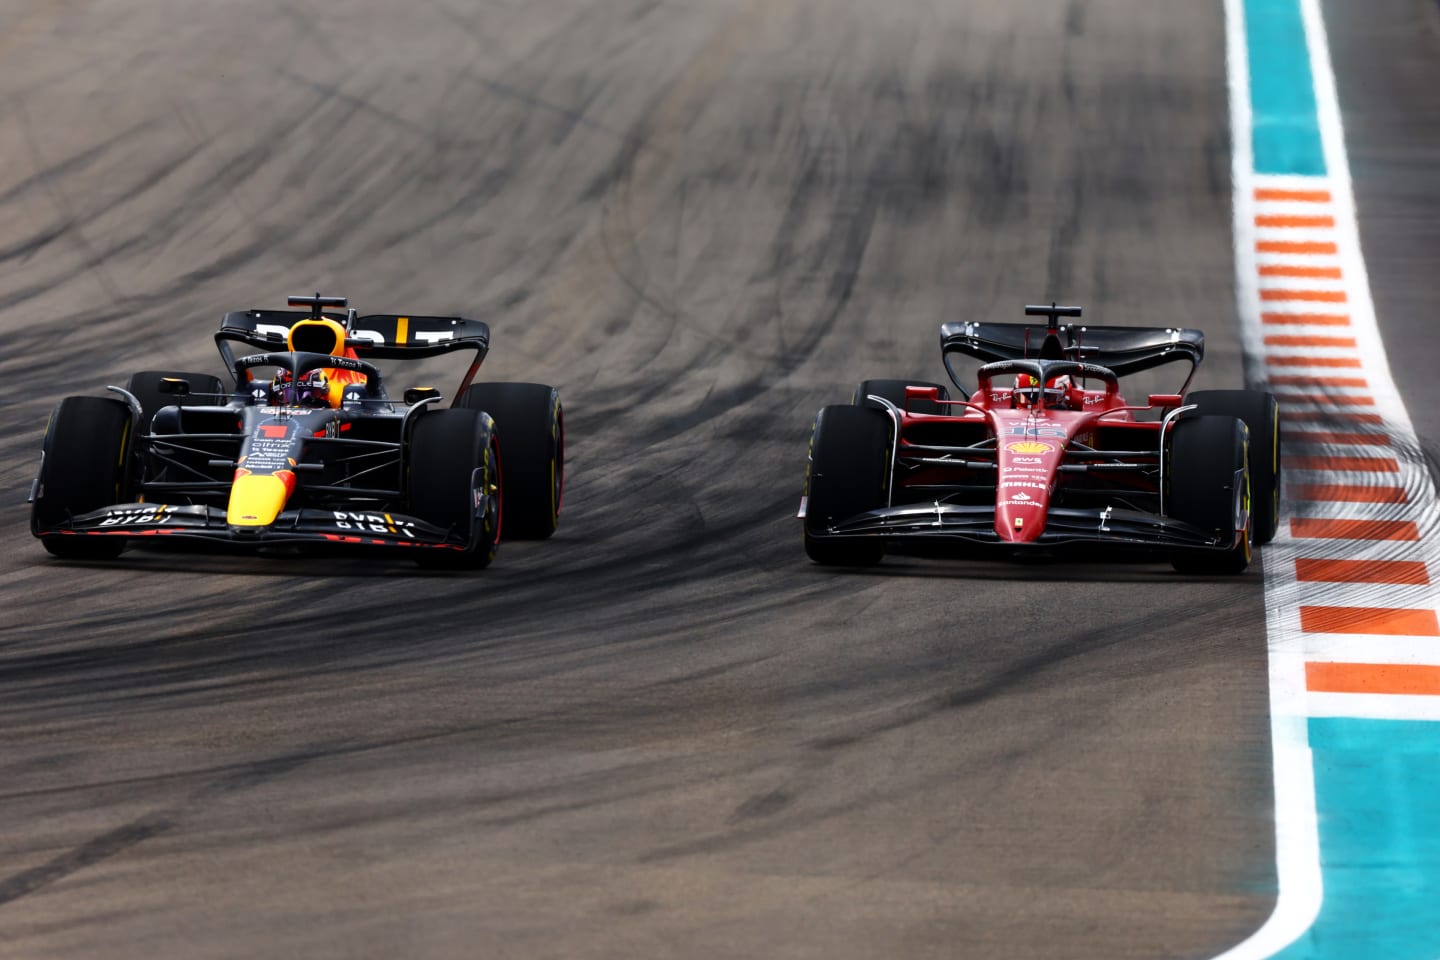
<point>1046,454</point>
<point>313,451</point>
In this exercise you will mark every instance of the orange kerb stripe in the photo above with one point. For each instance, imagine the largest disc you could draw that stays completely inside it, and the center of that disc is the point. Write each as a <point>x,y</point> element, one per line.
<point>1361,571</point>
<point>1296,340</point>
<point>1313,528</point>
<point>1306,196</point>
<point>1331,416</point>
<point>1287,220</point>
<point>1414,679</point>
<point>1337,400</point>
<point>1307,319</point>
<point>1346,493</point>
<point>1338,437</point>
<point>1295,246</point>
<point>1387,621</point>
<point>1289,361</point>
<point>1319,382</point>
<point>1279,270</point>
<point>1374,464</point>
<point>1310,296</point>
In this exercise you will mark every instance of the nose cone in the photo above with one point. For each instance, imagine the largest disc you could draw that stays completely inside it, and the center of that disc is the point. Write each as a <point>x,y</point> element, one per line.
<point>1026,477</point>
<point>257,499</point>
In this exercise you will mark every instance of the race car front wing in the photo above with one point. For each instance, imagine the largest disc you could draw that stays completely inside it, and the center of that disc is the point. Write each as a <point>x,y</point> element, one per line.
<point>1064,526</point>
<point>161,522</point>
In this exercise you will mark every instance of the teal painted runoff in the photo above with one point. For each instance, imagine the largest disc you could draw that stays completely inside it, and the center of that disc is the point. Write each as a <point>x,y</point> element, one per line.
<point>1377,791</point>
<point>1285,130</point>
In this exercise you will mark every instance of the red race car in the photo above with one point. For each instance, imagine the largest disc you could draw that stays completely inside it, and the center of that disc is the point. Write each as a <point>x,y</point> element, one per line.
<point>1046,454</point>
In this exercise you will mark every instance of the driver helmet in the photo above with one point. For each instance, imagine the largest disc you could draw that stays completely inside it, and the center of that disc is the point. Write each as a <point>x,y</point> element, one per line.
<point>1056,391</point>
<point>311,390</point>
<point>1025,393</point>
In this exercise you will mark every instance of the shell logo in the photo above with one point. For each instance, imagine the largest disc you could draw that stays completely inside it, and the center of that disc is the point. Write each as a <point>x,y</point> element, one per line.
<point>1029,446</point>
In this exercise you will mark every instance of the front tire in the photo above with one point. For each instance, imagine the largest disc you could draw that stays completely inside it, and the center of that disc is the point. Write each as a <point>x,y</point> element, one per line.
<point>83,469</point>
<point>1208,477</point>
<point>1262,416</point>
<point>531,425</point>
<point>453,455</point>
<point>848,473</point>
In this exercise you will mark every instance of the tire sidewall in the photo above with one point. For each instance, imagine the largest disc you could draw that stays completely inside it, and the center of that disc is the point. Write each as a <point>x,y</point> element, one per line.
<point>1261,414</point>
<point>453,477</point>
<point>1208,485</point>
<point>530,423</point>
<point>848,473</point>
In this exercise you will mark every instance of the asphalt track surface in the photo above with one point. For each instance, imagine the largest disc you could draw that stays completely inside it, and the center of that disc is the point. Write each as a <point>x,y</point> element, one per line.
<point>662,732</point>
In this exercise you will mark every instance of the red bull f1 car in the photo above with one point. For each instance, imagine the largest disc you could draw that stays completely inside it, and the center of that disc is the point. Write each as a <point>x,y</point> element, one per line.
<point>307,448</point>
<point>1046,455</point>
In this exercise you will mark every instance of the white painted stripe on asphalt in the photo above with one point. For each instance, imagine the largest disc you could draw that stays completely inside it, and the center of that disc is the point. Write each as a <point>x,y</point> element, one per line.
<point>1367,706</point>
<point>1295,234</point>
<point>1349,648</point>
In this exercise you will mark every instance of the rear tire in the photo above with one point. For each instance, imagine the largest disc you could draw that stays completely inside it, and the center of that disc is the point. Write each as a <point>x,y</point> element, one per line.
<point>447,448</point>
<point>531,425</point>
<point>145,385</point>
<point>1208,458</point>
<point>894,391</point>
<point>1262,415</point>
<point>84,468</point>
<point>849,473</point>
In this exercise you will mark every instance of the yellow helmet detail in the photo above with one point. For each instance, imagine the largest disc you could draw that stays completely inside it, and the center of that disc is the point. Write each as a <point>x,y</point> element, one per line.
<point>317,336</point>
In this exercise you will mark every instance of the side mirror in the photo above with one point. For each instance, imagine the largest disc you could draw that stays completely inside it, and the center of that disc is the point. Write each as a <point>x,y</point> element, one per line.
<point>414,395</point>
<point>175,386</point>
<point>1166,400</point>
<point>921,393</point>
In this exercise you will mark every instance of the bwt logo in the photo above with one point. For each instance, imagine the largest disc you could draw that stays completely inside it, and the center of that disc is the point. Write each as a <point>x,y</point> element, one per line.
<point>130,518</point>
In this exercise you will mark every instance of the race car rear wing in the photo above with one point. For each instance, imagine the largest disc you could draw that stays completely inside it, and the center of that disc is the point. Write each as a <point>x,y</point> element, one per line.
<point>379,336</point>
<point>1125,350</point>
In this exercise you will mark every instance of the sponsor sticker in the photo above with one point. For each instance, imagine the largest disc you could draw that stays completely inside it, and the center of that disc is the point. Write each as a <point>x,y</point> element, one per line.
<point>1034,430</point>
<point>373,523</point>
<point>134,518</point>
<point>1030,446</point>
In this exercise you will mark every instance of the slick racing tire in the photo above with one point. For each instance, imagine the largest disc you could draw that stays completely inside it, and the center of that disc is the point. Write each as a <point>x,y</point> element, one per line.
<point>1262,415</point>
<point>85,451</point>
<point>531,425</point>
<point>145,385</point>
<point>849,473</point>
<point>1207,470</point>
<point>447,448</point>
<point>894,391</point>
